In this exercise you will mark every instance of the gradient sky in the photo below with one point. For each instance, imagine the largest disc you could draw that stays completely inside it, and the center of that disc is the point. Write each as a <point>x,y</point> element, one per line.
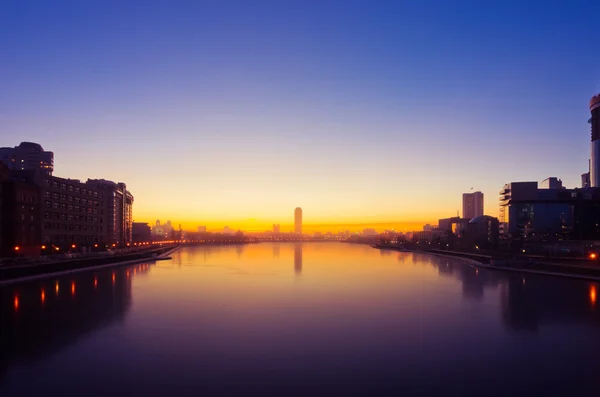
<point>235,113</point>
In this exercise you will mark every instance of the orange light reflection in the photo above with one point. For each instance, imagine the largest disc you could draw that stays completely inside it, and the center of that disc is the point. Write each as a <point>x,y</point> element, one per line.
<point>43,296</point>
<point>16,302</point>
<point>593,295</point>
<point>72,287</point>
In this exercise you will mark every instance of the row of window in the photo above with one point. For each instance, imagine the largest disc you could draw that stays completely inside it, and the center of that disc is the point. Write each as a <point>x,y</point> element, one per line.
<point>71,188</point>
<point>64,238</point>
<point>64,197</point>
<point>70,207</point>
<point>27,199</point>
<point>70,226</point>
<point>69,217</point>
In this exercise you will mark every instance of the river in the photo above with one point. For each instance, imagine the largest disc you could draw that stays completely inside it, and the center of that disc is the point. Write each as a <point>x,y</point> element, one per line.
<point>299,319</point>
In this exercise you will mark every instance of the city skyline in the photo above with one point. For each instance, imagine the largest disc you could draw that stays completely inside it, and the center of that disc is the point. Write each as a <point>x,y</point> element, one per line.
<point>233,120</point>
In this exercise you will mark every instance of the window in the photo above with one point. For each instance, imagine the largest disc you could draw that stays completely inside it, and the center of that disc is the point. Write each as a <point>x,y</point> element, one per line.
<point>84,191</point>
<point>95,194</point>
<point>31,218</point>
<point>83,201</point>
<point>47,215</point>
<point>63,196</point>
<point>77,208</point>
<point>55,184</point>
<point>77,200</point>
<point>89,210</point>
<point>70,198</point>
<point>63,186</point>
<point>48,182</point>
<point>55,205</point>
<point>63,206</point>
<point>56,215</point>
<point>55,196</point>
<point>47,194</point>
<point>22,217</point>
<point>95,210</point>
<point>70,207</point>
<point>70,188</point>
<point>69,217</point>
<point>77,190</point>
<point>63,216</point>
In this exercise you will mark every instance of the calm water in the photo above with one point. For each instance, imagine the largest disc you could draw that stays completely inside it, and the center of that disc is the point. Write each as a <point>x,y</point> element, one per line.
<point>311,318</point>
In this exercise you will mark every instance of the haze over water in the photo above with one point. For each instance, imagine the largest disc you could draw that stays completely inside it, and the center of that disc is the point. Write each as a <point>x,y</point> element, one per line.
<point>299,318</point>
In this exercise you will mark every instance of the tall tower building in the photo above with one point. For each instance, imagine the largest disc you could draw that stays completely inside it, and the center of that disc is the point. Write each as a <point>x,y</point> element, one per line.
<point>472,205</point>
<point>28,156</point>
<point>298,220</point>
<point>595,152</point>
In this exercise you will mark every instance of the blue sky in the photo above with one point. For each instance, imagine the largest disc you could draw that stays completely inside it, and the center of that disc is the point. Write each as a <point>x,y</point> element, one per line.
<point>355,110</point>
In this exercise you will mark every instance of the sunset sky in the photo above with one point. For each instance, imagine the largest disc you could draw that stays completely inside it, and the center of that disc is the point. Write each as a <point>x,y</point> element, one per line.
<point>234,113</point>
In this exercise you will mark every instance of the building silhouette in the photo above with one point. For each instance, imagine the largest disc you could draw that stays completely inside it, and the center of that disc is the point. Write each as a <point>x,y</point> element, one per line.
<point>298,220</point>
<point>28,156</point>
<point>595,145</point>
<point>472,205</point>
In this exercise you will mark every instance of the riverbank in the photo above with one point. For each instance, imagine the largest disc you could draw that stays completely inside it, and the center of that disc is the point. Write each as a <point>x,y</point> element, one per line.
<point>20,273</point>
<point>591,273</point>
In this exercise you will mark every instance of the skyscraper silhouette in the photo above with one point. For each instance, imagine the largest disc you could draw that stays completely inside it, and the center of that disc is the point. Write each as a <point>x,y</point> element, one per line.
<point>298,220</point>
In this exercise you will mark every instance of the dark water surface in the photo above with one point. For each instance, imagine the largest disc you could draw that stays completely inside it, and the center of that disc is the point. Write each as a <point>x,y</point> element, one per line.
<point>312,318</point>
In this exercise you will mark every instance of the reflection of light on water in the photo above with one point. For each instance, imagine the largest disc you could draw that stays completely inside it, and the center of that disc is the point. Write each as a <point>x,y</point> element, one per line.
<point>113,278</point>
<point>56,288</point>
<point>593,295</point>
<point>16,302</point>
<point>43,296</point>
<point>95,282</point>
<point>72,287</point>
<point>477,272</point>
<point>524,281</point>
<point>127,273</point>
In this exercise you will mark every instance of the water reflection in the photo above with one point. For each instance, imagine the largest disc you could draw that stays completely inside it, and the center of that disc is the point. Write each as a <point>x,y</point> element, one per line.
<point>527,302</point>
<point>298,259</point>
<point>545,301</point>
<point>361,318</point>
<point>36,323</point>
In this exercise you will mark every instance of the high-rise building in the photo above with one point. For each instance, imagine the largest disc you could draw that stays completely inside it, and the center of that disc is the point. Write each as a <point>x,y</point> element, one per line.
<point>276,228</point>
<point>298,220</point>
<point>98,212</point>
<point>595,146</point>
<point>472,205</point>
<point>19,213</point>
<point>28,156</point>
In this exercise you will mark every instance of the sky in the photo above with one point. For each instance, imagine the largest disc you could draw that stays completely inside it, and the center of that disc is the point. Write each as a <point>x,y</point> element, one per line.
<point>361,112</point>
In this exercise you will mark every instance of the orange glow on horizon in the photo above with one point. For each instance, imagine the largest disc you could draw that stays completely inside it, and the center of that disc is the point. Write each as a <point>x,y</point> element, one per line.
<point>334,227</point>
